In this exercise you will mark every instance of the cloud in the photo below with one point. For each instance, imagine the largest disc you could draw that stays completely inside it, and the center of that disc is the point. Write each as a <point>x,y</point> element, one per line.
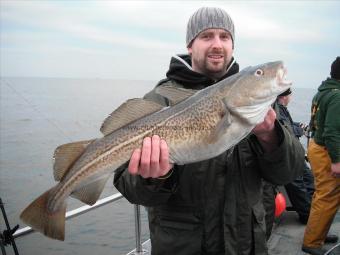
<point>145,32</point>
<point>109,21</point>
<point>45,19</point>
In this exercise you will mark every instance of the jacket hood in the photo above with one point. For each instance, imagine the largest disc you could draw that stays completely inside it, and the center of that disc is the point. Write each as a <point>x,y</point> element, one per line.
<point>329,84</point>
<point>180,70</point>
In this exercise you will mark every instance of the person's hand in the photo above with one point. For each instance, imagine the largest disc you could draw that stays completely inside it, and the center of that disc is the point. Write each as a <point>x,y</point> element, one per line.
<point>335,169</point>
<point>305,128</point>
<point>303,125</point>
<point>265,131</point>
<point>152,160</point>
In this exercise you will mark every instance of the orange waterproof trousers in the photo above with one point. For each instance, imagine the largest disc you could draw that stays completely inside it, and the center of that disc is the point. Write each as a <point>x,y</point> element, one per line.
<point>326,198</point>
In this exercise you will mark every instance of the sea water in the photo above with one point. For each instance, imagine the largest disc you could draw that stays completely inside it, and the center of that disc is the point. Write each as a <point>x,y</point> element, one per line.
<point>39,114</point>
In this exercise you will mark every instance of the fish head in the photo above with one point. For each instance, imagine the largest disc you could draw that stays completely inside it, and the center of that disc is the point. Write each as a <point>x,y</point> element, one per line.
<point>255,89</point>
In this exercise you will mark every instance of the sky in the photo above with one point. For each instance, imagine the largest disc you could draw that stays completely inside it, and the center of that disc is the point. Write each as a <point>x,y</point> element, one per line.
<point>136,39</point>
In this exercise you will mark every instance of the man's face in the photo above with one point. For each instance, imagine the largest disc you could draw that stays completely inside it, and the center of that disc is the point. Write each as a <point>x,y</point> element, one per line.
<point>288,98</point>
<point>284,100</point>
<point>211,52</point>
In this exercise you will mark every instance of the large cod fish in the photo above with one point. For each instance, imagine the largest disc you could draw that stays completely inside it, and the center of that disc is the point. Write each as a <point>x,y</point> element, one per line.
<point>200,125</point>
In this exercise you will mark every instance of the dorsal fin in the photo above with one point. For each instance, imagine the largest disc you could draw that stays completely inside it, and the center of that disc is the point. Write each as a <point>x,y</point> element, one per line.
<point>175,94</point>
<point>128,112</point>
<point>65,155</point>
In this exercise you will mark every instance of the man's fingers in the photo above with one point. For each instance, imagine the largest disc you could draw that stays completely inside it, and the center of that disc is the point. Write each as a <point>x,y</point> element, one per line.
<point>269,119</point>
<point>267,124</point>
<point>154,159</point>
<point>134,161</point>
<point>164,157</point>
<point>144,167</point>
<point>272,114</point>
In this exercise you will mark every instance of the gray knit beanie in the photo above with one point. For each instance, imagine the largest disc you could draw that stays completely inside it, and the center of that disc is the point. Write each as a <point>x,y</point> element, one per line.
<point>208,17</point>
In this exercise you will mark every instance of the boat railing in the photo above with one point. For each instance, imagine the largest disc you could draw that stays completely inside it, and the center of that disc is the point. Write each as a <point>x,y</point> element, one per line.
<point>9,235</point>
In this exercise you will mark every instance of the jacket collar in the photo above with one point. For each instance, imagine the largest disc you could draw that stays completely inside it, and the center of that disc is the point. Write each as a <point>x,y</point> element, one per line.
<point>181,71</point>
<point>329,83</point>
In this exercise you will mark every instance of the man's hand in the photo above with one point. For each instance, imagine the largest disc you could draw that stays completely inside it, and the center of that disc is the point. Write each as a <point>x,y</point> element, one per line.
<point>305,128</point>
<point>335,169</point>
<point>265,132</point>
<point>152,160</point>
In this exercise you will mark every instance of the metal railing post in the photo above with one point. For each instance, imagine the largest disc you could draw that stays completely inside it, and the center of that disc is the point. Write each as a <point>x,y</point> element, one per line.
<point>139,248</point>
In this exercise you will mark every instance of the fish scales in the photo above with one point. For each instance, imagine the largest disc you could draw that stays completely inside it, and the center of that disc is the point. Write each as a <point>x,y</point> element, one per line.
<point>117,146</point>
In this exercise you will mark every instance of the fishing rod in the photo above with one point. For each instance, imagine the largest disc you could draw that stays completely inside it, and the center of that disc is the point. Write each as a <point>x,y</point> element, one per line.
<point>308,133</point>
<point>36,109</point>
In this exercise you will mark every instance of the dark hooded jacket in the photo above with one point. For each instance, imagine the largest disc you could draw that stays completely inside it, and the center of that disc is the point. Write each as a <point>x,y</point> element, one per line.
<point>326,120</point>
<point>214,206</point>
<point>286,119</point>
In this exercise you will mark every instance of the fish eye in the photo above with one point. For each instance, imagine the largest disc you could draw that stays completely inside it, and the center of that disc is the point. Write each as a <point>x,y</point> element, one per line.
<point>259,72</point>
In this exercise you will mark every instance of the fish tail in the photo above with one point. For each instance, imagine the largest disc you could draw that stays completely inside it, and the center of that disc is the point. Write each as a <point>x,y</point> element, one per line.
<point>37,215</point>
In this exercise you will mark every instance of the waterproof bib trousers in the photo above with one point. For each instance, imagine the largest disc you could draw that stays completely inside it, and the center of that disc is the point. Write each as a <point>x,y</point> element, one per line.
<point>326,198</point>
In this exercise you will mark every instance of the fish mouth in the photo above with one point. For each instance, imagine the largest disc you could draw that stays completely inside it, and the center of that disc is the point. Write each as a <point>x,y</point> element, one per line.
<point>281,77</point>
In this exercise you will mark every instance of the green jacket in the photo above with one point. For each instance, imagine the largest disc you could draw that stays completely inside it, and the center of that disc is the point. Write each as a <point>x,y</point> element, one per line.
<point>326,124</point>
<point>214,206</point>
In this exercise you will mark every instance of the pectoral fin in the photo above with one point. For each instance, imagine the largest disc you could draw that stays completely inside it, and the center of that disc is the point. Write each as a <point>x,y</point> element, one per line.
<point>221,127</point>
<point>90,193</point>
<point>65,155</point>
<point>175,94</point>
<point>131,110</point>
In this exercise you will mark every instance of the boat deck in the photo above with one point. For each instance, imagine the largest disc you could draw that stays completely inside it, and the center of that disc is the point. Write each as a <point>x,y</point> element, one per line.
<point>286,238</point>
<point>288,234</point>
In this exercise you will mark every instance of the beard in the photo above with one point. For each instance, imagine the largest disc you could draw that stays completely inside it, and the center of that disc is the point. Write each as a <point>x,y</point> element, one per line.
<point>213,63</point>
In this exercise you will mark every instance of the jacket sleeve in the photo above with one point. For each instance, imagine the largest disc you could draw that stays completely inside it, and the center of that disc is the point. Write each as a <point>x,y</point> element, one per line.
<point>146,192</point>
<point>284,117</point>
<point>298,131</point>
<point>332,128</point>
<point>286,162</point>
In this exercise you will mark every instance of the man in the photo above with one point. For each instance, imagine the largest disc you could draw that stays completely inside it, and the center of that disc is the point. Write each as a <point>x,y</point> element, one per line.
<point>298,128</point>
<point>213,206</point>
<point>299,191</point>
<point>324,157</point>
